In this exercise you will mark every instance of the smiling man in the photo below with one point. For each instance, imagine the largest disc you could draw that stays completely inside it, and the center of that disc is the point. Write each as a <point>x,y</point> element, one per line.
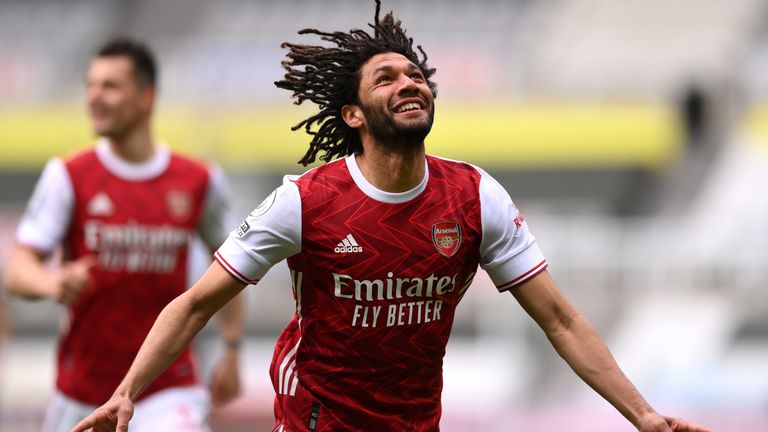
<point>123,211</point>
<point>382,244</point>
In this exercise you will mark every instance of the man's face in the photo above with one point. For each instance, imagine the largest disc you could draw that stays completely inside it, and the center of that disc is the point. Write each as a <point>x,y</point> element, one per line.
<point>117,102</point>
<point>395,99</point>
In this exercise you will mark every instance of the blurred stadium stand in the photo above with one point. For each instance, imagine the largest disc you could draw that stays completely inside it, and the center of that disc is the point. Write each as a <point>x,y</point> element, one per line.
<point>633,134</point>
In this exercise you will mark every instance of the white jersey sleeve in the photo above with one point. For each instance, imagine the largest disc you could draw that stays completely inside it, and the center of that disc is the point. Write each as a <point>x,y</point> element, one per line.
<point>508,251</point>
<point>49,211</point>
<point>217,218</point>
<point>270,233</point>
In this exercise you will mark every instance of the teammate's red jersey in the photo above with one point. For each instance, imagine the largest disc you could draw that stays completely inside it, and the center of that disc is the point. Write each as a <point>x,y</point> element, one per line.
<point>377,278</point>
<point>139,230</point>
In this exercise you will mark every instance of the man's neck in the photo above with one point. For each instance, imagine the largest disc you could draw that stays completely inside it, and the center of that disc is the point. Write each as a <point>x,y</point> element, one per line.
<point>392,171</point>
<point>135,147</point>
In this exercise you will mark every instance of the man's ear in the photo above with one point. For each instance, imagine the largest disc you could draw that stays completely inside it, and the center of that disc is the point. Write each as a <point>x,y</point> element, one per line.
<point>352,115</point>
<point>148,98</point>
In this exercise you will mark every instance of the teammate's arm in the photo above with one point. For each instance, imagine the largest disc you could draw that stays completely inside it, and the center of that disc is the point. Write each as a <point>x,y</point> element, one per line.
<point>213,228</point>
<point>41,229</point>
<point>174,328</point>
<point>579,345</point>
<point>225,377</point>
<point>29,277</point>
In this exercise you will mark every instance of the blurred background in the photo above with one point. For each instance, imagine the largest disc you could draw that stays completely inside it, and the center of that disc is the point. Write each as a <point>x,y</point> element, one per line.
<point>632,134</point>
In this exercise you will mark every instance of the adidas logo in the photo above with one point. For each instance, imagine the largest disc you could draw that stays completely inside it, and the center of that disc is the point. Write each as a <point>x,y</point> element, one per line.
<point>348,245</point>
<point>100,205</point>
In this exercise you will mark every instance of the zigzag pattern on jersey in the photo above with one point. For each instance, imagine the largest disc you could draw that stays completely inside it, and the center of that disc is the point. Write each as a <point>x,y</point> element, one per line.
<point>366,375</point>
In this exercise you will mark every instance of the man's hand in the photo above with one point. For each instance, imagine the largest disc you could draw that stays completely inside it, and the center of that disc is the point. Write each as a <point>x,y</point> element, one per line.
<point>113,416</point>
<point>657,423</point>
<point>74,277</point>
<point>225,379</point>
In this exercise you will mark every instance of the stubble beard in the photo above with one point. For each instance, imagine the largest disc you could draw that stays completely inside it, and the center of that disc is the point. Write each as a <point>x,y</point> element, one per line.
<point>394,135</point>
<point>119,127</point>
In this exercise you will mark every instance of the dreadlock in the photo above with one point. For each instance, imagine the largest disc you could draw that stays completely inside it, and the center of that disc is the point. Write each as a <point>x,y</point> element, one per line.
<point>329,77</point>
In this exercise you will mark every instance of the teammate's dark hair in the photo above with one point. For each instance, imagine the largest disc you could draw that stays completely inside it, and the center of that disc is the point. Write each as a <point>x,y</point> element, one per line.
<point>144,64</point>
<point>330,77</point>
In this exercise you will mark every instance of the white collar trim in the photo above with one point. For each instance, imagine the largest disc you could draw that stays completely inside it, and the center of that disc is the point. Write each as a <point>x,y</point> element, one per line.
<point>380,195</point>
<point>129,170</point>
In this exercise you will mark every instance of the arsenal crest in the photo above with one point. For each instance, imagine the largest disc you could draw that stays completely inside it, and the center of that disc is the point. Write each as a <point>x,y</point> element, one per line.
<point>446,236</point>
<point>179,204</point>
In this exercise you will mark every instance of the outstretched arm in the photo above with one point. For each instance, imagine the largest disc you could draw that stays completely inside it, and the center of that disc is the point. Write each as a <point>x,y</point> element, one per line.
<point>174,328</point>
<point>579,345</point>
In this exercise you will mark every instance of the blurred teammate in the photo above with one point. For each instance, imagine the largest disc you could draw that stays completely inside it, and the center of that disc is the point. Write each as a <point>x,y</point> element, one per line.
<point>124,212</point>
<point>4,321</point>
<point>4,330</point>
<point>4,325</point>
<point>382,245</point>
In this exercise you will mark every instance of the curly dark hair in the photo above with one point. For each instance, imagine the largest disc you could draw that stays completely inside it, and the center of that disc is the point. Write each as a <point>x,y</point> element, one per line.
<point>330,77</point>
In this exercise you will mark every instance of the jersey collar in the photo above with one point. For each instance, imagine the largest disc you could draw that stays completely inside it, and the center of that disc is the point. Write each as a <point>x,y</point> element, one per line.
<point>380,195</point>
<point>133,171</point>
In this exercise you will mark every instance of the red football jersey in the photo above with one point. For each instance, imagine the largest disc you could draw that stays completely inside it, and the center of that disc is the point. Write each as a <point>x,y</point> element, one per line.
<point>138,226</point>
<point>376,278</point>
<point>140,231</point>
